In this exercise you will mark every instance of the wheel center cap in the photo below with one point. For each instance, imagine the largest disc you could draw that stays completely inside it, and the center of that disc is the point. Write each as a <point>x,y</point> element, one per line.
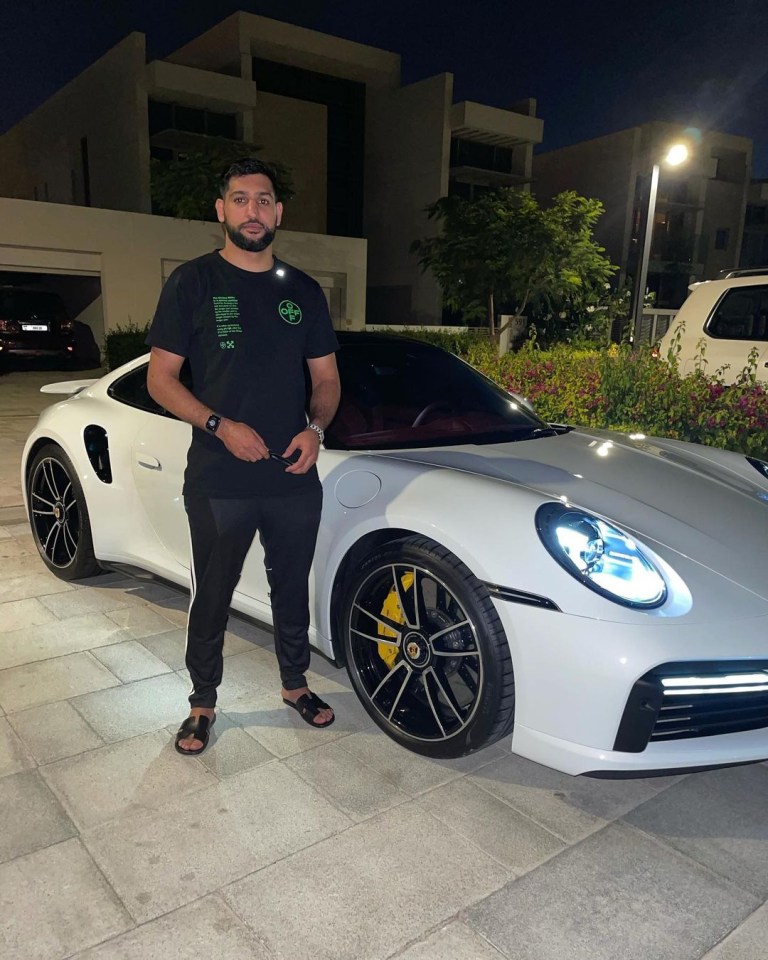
<point>58,512</point>
<point>416,650</point>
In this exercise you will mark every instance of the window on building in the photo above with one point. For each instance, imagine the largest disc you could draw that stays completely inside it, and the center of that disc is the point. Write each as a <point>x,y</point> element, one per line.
<point>483,156</point>
<point>345,132</point>
<point>721,238</point>
<point>742,314</point>
<point>174,116</point>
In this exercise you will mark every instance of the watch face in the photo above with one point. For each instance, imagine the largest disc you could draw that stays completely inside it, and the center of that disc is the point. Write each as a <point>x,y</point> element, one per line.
<point>212,423</point>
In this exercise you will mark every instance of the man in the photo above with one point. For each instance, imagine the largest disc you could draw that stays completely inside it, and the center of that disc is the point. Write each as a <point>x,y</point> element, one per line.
<point>247,321</point>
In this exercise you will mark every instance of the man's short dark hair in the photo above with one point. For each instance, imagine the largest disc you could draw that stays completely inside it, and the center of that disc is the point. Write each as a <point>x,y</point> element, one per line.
<point>244,168</point>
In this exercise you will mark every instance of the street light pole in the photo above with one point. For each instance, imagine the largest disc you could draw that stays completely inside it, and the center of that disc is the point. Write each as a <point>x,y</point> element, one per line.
<point>642,278</point>
<point>677,154</point>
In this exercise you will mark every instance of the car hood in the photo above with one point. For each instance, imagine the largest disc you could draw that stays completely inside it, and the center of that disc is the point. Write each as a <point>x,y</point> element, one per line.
<point>693,500</point>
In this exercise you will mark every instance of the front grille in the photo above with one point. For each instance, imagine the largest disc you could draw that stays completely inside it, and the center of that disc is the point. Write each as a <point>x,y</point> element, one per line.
<point>679,701</point>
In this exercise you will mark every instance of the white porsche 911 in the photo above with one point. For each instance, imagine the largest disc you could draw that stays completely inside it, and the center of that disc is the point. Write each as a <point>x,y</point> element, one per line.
<point>602,596</point>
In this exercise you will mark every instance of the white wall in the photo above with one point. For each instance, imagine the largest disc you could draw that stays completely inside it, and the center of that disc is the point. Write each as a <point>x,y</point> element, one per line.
<point>128,250</point>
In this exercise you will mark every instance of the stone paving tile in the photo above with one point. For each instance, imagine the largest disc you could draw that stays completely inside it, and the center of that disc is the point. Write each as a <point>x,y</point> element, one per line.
<point>409,771</point>
<point>282,731</point>
<point>78,603</point>
<point>13,756</point>
<point>36,683</point>
<point>139,621</point>
<point>404,870</point>
<point>137,591</point>
<point>19,528</point>
<point>32,816</point>
<point>191,847</point>
<point>260,634</point>
<point>23,614</point>
<point>28,585</point>
<point>747,942</point>
<point>14,547</point>
<point>54,731</point>
<point>58,638</point>
<point>124,779</point>
<point>5,533</point>
<point>245,675</point>
<point>32,566</point>
<point>616,894</point>
<point>132,709</point>
<point>201,929</point>
<point>55,902</point>
<point>498,829</point>
<point>174,609</point>
<point>719,819</point>
<point>454,942</point>
<point>130,661</point>
<point>348,783</point>
<point>569,807</point>
<point>231,750</point>
<point>169,646</point>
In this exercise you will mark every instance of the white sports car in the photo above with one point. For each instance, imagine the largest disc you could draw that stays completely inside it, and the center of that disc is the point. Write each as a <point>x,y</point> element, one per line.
<point>602,596</point>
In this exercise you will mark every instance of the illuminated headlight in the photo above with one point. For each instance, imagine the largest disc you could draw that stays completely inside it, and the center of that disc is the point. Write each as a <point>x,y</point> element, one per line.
<point>601,556</point>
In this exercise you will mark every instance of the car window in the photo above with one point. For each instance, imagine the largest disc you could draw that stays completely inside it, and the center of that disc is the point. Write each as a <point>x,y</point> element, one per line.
<point>131,389</point>
<point>402,393</point>
<point>741,314</point>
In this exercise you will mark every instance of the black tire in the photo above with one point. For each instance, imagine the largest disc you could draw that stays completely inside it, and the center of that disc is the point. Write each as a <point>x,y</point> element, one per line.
<point>58,516</point>
<point>440,681</point>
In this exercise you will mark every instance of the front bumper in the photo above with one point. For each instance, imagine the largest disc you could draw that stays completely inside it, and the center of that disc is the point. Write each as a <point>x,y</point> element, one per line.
<point>582,703</point>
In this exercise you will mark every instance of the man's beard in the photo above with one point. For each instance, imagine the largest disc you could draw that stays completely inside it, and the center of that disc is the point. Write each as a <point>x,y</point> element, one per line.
<point>246,243</point>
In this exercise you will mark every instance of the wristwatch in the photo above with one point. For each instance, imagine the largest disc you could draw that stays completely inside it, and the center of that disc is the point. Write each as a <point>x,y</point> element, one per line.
<point>318,430</point>
<point>212,423</point>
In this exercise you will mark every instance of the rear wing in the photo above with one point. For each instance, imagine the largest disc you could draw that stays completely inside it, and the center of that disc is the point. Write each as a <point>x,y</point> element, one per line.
<point>67,388</point>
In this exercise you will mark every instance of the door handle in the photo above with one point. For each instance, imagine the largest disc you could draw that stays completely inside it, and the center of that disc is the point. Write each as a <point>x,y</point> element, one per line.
<point>151,463</point>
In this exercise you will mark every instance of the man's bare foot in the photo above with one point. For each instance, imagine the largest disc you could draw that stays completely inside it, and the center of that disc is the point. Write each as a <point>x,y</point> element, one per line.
<point>324,716</point>
<point>190,744</point>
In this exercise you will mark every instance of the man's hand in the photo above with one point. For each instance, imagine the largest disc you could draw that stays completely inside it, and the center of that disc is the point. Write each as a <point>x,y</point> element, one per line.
<point>242,441</point>
<point>308,443</point>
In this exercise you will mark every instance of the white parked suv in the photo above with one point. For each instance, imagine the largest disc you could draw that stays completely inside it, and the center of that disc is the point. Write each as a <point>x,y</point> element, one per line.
<point>724,320</point>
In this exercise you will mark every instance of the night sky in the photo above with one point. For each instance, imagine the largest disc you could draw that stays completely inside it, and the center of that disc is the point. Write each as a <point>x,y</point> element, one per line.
<point>594,67</point>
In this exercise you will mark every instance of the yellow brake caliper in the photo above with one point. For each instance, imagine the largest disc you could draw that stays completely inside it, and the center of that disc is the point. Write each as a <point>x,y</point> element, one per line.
<point>392,610</point>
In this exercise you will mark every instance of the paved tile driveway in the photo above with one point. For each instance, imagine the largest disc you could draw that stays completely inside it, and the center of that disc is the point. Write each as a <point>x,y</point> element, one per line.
<point>284,842</point>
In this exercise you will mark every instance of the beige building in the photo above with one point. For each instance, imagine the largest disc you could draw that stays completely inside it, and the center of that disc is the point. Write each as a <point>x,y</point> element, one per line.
<point>754,247</point>
<point>700,206</point>
<point>114,263</point>
<point>366,154</point>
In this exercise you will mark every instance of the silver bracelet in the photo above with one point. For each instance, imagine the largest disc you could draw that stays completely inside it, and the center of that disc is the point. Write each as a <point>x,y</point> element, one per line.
<point>318,430</point>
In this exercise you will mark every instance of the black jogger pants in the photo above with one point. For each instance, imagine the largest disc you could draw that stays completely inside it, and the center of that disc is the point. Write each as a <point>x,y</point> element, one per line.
<point>221,532</point>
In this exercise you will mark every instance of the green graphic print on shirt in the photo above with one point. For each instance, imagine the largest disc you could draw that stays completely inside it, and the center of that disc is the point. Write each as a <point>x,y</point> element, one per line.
<point>226,310</point>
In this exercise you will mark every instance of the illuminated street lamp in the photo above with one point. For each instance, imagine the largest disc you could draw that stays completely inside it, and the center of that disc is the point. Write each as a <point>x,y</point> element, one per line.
<point>677,154</point>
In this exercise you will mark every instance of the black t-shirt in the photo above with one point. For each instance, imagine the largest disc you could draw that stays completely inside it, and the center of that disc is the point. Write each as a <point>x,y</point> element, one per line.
<point>246,336</point>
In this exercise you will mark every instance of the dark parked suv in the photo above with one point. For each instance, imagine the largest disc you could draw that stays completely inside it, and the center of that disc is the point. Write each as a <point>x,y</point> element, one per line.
<point>34,323</point>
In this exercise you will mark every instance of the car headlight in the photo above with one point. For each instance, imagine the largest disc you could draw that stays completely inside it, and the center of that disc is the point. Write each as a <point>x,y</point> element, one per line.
<point>601,556</point>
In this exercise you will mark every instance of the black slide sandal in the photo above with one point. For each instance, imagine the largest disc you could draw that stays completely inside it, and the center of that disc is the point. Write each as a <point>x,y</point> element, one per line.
<point>308,706</point>
<point>197,727</point>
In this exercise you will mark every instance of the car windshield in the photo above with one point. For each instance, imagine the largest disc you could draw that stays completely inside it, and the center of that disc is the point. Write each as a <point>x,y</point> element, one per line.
<point>401,393</point>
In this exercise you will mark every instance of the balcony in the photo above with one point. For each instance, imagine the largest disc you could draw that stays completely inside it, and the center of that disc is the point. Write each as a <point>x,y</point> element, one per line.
<point>502,128</point>
<point>199,89</point>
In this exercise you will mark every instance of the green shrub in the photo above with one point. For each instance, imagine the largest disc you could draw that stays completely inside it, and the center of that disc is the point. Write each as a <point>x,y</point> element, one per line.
<point>125,343</point>
<point>458,342</point>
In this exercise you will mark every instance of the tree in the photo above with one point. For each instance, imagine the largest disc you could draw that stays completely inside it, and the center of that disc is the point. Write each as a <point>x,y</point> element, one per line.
<point>185,187</point>
<point>503,248</point>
